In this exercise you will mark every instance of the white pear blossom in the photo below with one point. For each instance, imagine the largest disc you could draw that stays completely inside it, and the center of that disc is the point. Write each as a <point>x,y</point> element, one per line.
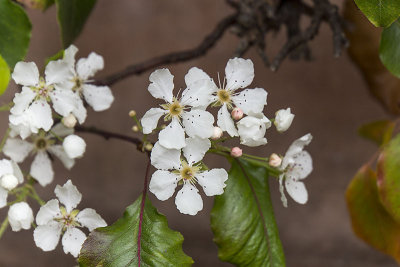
<point>41,167</point>
<point>296,166</point>
<point>54,220</point>
<point>10,177</point>
<point>196,122</point>
<point>173,171</point>
<point>31,110</point>
<point>20,216</point>
<point>239,73</point>
<point>252,129</point>
<point>283,119</point>
<point>74,146</point>
<point>99,98</point>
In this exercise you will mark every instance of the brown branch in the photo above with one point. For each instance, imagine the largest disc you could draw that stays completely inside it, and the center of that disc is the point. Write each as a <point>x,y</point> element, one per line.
<point>175,57</point>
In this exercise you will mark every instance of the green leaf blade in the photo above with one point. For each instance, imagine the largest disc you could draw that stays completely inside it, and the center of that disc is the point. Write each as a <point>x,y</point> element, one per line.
<point>381,13</point>
<point>379,132</point>
<point>116,245</point>
<point>72,16</point>
<point>4,75</point>
<point>389,49</point>
<point>242,219</point>
<point>15,32</point>
<point>370,221</point>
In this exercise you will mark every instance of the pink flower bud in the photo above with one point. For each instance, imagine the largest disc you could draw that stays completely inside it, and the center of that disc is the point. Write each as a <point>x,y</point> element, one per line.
<point>237,113</point>
<point>275,160</point>
<point>217,133</point>
<point>236,152</point>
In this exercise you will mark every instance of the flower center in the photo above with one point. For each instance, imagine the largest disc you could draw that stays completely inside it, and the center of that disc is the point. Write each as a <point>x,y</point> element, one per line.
<point>224,97</point>
<point>42,90</point>
<point>78,82</point>
<point>68,219</point>
<point>175,109</point>
<point>188,173</point>
<point>41,143</point>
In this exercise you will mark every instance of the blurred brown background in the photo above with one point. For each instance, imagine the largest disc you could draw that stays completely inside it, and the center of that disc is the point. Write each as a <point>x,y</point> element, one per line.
<point>328,97</point>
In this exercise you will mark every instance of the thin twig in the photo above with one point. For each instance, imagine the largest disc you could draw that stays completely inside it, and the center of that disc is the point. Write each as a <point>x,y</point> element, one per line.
<point>142,205</point>
<point>108,135</point>
<point>3,226</point>
<point>175,57</point>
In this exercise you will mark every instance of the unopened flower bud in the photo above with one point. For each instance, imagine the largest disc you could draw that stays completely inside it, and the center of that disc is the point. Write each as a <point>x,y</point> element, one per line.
<point>148,147</point>
<point>74,146</point>
<point>132,113</point>
<point>283,119</point>
<point>69,121</point>
<point>217,133</point>
<point>237,113</point>
<point>9,182</point>
<point>20,216</point>
<point>135,128</point>
<point>275,160</point>
<point>236,152</point>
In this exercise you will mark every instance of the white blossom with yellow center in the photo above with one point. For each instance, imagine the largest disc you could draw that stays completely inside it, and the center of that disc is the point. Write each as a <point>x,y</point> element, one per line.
<point>54,220</point>
<point>173,171</point>
<point>196,122</point>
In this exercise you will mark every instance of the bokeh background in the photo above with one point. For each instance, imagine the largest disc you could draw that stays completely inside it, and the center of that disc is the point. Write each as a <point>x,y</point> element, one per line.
<point>328,96</point>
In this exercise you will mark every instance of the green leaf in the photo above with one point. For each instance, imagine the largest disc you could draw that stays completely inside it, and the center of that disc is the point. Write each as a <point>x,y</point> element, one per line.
<point>58,55</point>
<point>4,75</point>
<point>243,221</point>
<point>389,50</point>
<point>116,245</point>
<point>72,15</point>
<point>389,178</point>
<point>381,13</point>
<point>379,132</point>
<point>369,218</point>
<point>15,32</point>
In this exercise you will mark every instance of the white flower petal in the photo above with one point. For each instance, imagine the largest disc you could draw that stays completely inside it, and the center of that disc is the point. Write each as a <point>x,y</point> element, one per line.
<point>64,101</point>
<point>164,158</point>
<point>173,136</point>
<point>283,119</point>
<point>301,167</point>
<point>41,169</point>
<point>98,97</point>
<point>225,121</point>
<point>23,129</point>
<point>22,100</point>
<point>47,236</point>
<point>296,190</point>
<point>59,152</point>
<point>40,115</point>
<point>17,172</point>
<point>48,212</point>
<point>20,216</point>
<point>198,94</point>
<point>17,149</point>
<point>188,200</point>
<point>90,219</point>
<point>26,73</point>
<point>87,67</point>
<point>251,100</point>
<point>61,130</point>
<point>57,72</point>
<point>239,73</point>
<point>80,111</point>
<point>298,145</point>
<point>194,75</point>
<point>72,241</point>
<point>195,149</point>
<point>69,55</point>
<point>213,181</point>
<point>252,129</point>
<point>3,197</point>
<point>282,190</point>
<point>68,195</point>
<point>163,184</point>
<point>150,119</point>
<point>162,84</point>
<point>198,123</point>
<point>6,167</point>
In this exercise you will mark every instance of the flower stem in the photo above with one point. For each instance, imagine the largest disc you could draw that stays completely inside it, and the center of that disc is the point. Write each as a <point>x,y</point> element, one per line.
<point>3,226</point>
<point>3,141</point>
<point>6,107</point>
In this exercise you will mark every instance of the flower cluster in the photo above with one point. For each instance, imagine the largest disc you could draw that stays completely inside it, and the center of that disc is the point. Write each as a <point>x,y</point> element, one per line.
<point>41,124</point>
<point>184,141</point>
